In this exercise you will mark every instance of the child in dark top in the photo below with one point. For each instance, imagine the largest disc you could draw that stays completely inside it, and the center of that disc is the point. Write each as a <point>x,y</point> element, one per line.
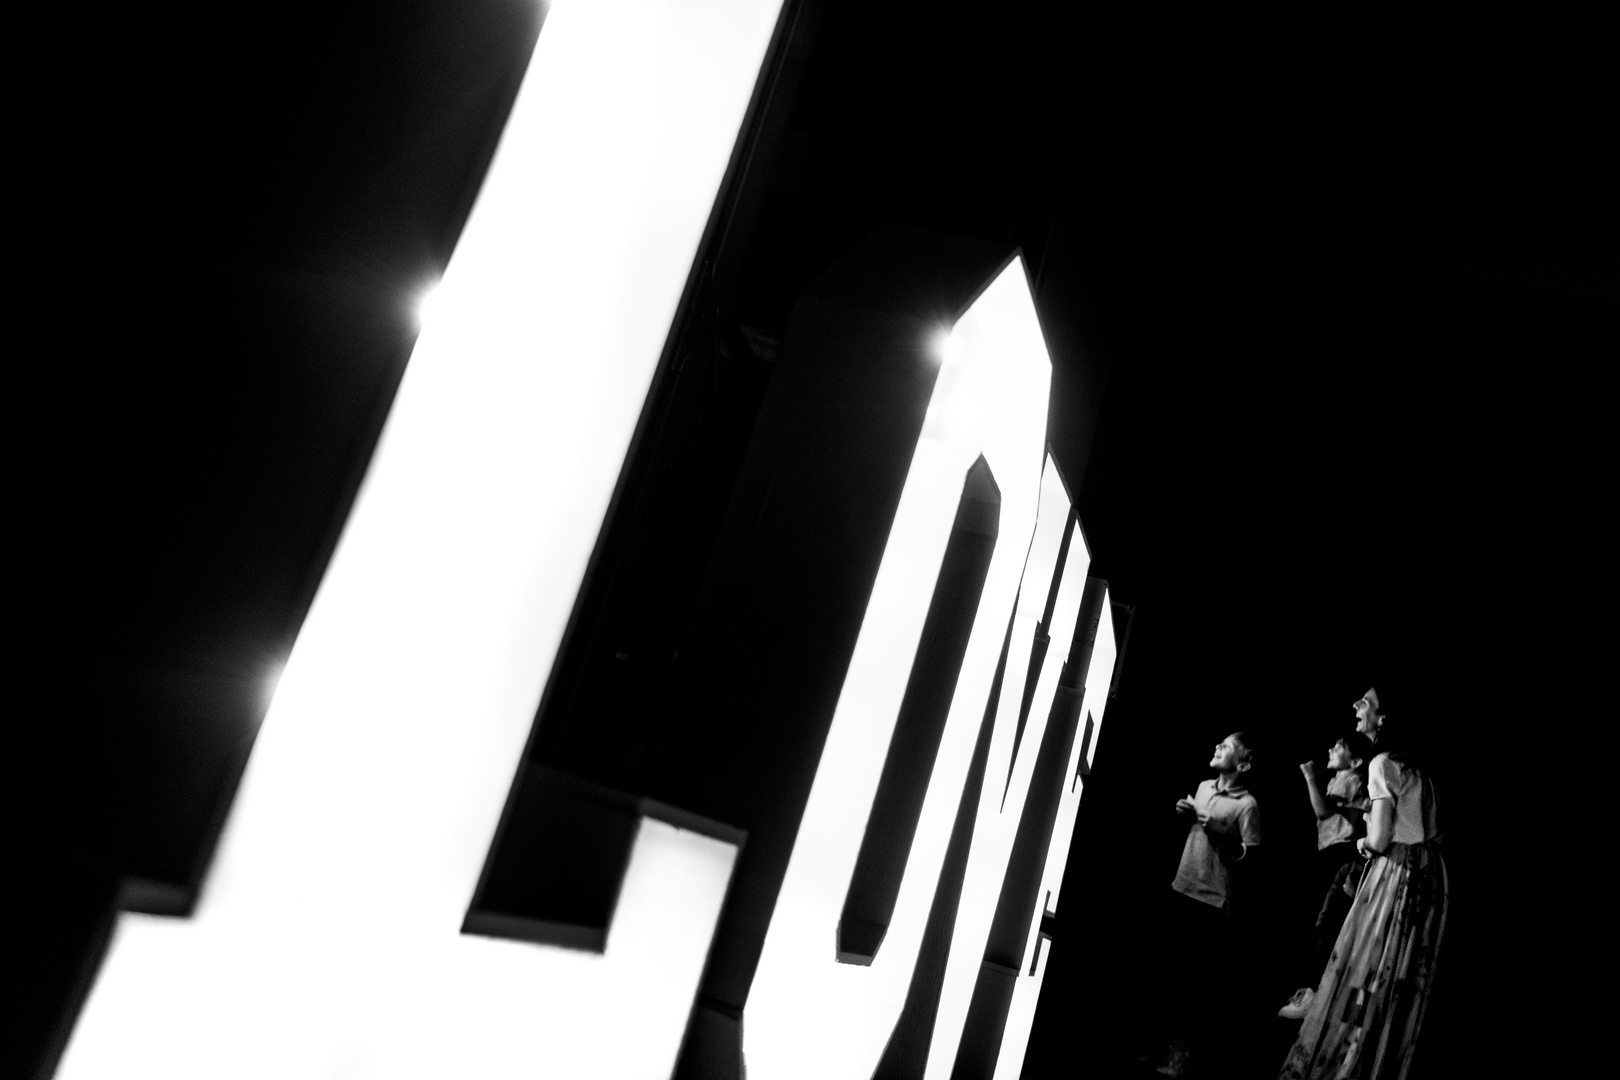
<point>1196,924</point>
<point>1341,814</point>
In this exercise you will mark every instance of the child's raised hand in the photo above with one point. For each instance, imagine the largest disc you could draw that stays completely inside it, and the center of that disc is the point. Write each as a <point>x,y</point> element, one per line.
<point>1309,769</point>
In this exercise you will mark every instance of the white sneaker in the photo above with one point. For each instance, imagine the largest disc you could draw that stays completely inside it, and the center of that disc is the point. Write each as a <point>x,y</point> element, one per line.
<point>1175,1062</point>
<point>1298,1005</point>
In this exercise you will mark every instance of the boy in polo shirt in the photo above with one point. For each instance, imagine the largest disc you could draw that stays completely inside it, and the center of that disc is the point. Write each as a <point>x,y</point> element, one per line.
<point>1225,826</point>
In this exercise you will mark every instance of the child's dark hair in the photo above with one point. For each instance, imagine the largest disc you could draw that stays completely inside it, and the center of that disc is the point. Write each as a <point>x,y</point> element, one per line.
<point>1245,749</point>
<point>1360,747</point>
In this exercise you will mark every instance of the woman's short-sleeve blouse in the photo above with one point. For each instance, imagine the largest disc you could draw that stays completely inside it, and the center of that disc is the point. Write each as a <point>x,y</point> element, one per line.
<point>1416,819</point>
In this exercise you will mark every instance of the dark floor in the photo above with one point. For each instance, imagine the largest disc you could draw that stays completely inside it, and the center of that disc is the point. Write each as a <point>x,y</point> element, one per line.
<point>1254,1054</point>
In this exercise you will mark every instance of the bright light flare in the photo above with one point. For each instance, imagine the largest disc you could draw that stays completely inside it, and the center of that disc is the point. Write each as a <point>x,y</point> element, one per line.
<point>427,303</point>
<point>267,687</point>
<point>951,347</point>
<point>956,411</point>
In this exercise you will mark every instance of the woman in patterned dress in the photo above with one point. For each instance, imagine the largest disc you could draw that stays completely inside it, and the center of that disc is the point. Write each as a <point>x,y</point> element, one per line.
<point>1364,1020</point>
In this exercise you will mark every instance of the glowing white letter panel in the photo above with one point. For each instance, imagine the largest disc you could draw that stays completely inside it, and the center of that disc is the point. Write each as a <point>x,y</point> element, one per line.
<point>326,943</point>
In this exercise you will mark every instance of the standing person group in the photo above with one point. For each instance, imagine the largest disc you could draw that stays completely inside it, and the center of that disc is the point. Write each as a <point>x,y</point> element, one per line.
<point>1362,1020</point>
<point>1378,932</point>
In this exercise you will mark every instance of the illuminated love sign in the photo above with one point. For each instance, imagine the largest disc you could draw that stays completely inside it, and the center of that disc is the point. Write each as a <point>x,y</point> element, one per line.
<point>984,429</point>
<point>897,667</point>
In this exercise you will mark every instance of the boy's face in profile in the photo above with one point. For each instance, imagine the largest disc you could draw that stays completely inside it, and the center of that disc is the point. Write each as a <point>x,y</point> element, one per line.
<point>1339,757</point>
<point>1225,759</point>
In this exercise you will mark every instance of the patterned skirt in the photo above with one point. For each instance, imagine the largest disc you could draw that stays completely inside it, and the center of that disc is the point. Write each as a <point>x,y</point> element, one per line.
<point>1363,1023</point>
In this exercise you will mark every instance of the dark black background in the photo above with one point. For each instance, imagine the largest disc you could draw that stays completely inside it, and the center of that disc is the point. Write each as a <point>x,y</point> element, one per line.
<point>1331,297</point>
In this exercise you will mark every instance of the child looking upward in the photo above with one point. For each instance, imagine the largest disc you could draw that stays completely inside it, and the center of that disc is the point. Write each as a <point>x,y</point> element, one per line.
<point>1196,923</point>
<point>1226,825</point>
<point>1341,813</point>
